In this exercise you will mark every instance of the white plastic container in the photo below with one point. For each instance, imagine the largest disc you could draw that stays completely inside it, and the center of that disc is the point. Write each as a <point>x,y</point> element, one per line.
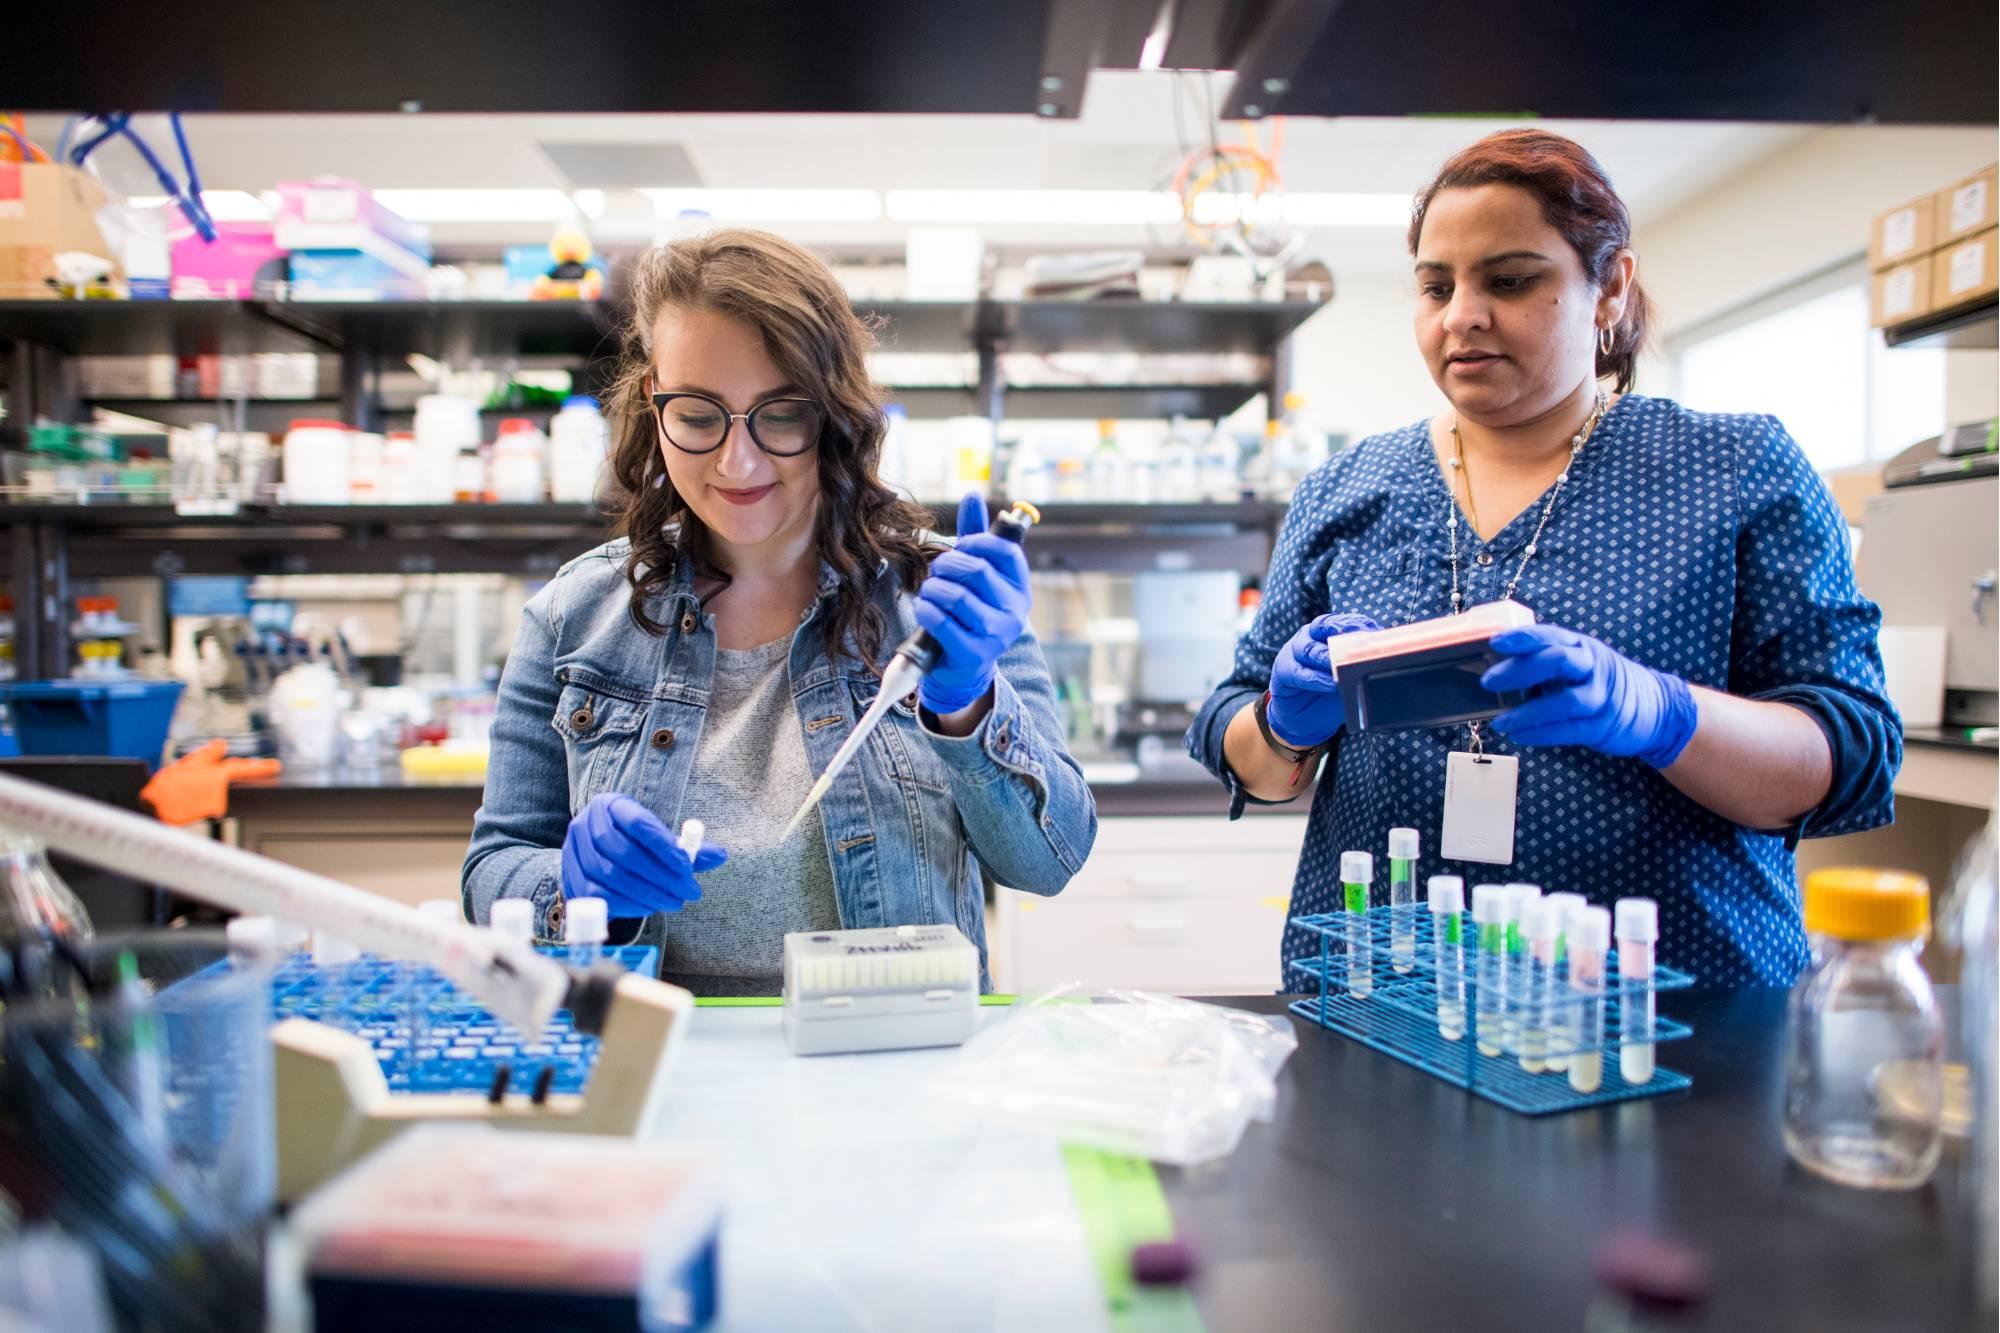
<point>887,989</point>
<point>364,467</point>
<point>316,463</point>
<point>579,449</point>
<point>444,425</point>
<point>519,454</point>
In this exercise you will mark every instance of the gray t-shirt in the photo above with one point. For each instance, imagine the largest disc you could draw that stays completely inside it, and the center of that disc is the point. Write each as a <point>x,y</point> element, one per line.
<point>750,773</point>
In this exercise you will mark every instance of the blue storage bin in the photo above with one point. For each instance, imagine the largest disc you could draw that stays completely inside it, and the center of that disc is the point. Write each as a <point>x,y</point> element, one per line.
<point>123,719</point>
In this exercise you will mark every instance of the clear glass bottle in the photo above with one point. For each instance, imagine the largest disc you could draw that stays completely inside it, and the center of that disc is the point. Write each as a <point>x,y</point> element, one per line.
<point>1865,1044</point>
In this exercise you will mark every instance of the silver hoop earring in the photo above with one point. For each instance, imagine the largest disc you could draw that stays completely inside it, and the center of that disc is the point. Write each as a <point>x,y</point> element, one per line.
<point>1605,338</point>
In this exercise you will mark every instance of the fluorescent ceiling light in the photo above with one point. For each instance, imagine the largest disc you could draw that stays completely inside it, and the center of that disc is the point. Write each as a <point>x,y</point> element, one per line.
<point>222,205</point>
<point>1347,210</point>
<point>479,205</point>
<point>770,205</point>
<point>1122,208</point>
<point>590,203</point>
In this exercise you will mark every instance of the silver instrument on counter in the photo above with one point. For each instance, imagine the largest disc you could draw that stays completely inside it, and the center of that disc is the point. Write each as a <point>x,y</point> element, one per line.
<point>911,662</point>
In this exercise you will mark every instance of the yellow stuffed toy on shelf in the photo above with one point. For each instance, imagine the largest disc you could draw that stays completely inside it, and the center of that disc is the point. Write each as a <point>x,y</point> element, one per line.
<point>572,277</point>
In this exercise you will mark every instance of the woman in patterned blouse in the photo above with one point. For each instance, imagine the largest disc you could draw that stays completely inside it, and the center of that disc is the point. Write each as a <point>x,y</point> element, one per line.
<point>1704,686</point>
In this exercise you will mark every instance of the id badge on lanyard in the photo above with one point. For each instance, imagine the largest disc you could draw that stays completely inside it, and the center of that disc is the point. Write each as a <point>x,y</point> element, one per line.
<point>1480,797</point>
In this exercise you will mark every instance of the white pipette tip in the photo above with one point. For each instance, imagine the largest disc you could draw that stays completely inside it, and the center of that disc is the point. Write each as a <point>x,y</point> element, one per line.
<point>819,789</point>
<point>692,831</point>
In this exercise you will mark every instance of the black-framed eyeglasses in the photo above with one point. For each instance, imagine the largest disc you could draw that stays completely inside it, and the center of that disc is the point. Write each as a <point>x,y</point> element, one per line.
<point>694,423</point>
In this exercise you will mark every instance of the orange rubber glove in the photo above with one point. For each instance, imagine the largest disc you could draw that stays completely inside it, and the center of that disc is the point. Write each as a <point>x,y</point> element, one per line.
<point>196,786</point>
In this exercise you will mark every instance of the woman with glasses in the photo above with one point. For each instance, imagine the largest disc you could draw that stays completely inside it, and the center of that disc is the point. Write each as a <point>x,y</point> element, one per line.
<point>708,662</point>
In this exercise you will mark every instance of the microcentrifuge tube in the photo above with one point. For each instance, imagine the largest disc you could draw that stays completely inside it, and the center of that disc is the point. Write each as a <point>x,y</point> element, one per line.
<point>442,909</point>
<point>1535,984</point>
<point>513,919</point>
<point>1403,845</point>
<point>1488,904</point>
<point>1567,905</point>
<point>252,940</point>
<point>586,927</point>
<point>692,832</point>
<point>1590,935</point>
<point>1357,872</point>
<point>1638,931</point>
<point>1447,904</point>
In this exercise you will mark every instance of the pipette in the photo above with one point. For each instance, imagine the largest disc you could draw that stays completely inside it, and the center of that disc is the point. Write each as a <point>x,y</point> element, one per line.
<point>911,662</point>
<point>519,984</point>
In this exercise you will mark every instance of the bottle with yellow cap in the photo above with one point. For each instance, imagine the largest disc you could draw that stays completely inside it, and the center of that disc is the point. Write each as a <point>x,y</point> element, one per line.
<point>1865,1049</point>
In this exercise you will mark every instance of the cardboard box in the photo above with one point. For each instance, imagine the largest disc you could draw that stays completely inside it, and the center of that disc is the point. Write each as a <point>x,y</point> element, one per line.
<point>1902,234</point>
<point>45,211</point>
<point>1901,294</point>
<point>1969,207</point>
<point>1965,272</point>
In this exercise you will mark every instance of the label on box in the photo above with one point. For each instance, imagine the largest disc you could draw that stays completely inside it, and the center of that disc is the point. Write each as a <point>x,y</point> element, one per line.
<point>1899,292</point>
<point>327,205</point>
<point>1968,267</point>
<point>1899,231</point>
<point>1968,206</point>
<point>11,203</point>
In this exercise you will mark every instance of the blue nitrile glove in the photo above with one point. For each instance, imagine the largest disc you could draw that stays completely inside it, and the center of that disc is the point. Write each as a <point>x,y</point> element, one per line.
<point>1305,705</point>
<point>1583,693</point>
<point>975,604</point>
<point>618,850</point>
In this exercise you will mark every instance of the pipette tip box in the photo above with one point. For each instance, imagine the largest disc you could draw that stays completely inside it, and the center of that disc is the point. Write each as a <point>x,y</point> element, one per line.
<point>467,1226</point>
<point>1424,674</point>
<point>887,989</point>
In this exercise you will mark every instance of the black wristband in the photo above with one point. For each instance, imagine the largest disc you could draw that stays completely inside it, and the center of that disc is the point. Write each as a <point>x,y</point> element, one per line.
<point>1290,754</point>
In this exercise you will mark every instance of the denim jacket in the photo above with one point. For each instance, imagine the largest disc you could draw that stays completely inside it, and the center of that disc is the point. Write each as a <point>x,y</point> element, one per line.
<point>591,703</point>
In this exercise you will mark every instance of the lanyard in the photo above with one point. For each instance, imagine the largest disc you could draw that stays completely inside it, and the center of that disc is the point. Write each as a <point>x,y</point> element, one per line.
<point>1528,552</point>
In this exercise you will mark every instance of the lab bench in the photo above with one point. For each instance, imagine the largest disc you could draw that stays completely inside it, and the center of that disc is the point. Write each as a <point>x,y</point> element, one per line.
<point>1382,1198</point>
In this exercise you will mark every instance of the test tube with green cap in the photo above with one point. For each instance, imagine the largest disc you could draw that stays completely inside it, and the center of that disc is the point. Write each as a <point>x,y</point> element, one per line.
<point>1357,872</point>
<point>1403,844</point>
<point>1567,906</point>
<point>1447,904</point>
<point>1490,928</point>
<point>1514,900</point>
<point>1589,937</point>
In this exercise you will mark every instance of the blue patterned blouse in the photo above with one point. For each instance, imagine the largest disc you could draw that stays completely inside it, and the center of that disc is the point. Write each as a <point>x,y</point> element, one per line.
<point>1697,544</point>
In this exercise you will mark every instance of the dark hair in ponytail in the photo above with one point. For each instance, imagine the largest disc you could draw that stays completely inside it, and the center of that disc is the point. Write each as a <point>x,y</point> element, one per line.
<point>1576,199</point>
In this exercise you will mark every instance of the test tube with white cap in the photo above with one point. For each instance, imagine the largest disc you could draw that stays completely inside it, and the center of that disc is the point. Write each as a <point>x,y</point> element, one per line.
<point>252,940</point>
<point>1567,905</point>
<point>1489,902</point>
<point>1590,936</point>
<point>442,909</point>
<point>1357,872</point>
<point>1403,845</point>
<point>1447,904</point>
<point>1540,924</point>
<point>1638,932</point>
<point>586,925</point>
<point>513,918</point>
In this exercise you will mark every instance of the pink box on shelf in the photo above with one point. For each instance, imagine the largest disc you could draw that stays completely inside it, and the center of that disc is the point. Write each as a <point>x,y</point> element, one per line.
<point>244,262</point>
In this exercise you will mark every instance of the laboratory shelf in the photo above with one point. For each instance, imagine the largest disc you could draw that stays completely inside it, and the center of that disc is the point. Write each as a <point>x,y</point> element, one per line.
<point>1396,1013</point>
<point>171,328</point>
<point>1046,402</point>
<point>1974,326</point>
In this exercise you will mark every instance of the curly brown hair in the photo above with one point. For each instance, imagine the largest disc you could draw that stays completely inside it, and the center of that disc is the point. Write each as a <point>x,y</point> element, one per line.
<point>812,334</point>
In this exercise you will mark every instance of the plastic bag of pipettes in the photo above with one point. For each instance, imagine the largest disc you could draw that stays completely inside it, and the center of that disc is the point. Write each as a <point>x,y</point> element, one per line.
<point>1126,1071</point>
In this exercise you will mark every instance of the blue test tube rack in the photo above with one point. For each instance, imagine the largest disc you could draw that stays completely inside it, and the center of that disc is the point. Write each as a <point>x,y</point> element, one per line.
<point>1398,1016</point>
<point>406,1009</point>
